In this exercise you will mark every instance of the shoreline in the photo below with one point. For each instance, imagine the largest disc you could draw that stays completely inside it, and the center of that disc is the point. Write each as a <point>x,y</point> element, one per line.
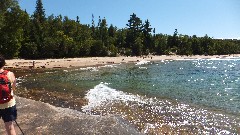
<point>98,61</point>
<point>53,126</point>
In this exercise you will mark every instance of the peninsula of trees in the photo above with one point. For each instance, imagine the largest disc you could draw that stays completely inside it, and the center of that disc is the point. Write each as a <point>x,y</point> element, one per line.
<point>38,36</point>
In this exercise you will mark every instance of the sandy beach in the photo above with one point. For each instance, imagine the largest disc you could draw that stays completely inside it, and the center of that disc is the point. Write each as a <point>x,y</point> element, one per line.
<point>98,61</point>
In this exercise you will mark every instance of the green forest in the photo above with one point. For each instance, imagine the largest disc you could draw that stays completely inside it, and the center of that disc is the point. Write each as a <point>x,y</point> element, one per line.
<point>38,36</point>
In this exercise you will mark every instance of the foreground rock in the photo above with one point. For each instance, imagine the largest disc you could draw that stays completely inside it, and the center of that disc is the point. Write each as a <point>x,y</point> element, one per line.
<point>40,118</point>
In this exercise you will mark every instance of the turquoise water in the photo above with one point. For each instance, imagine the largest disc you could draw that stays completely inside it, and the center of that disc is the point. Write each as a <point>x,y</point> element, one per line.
<point>202,96</point>
<point>211,83</point>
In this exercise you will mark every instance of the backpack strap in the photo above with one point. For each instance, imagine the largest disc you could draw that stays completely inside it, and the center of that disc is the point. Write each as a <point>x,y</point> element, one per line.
<point>4,72</point>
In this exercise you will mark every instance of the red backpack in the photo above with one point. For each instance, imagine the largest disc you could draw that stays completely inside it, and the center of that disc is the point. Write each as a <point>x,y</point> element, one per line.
<point>5,88</point>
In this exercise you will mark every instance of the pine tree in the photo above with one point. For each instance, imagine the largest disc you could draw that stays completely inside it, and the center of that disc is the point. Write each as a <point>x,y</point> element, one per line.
<point>148,42</point>
<point>39,13</point>
<point>134,35</point>
<point>38,28</point>
<point>78,21</point>
<point>93,27</point>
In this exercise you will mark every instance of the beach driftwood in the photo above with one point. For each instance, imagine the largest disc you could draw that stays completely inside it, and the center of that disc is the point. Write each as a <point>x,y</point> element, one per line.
<point>35,117</point>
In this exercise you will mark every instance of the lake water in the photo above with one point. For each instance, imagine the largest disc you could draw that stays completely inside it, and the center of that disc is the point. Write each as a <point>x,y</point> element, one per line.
<point>195,96</point>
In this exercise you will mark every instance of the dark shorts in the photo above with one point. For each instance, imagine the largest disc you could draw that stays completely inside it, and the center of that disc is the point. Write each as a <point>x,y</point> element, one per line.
<point>8,114</point>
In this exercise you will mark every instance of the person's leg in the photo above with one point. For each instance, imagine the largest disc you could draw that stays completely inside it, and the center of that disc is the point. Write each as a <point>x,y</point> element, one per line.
<point>10,128</point>
<point>9,116</point>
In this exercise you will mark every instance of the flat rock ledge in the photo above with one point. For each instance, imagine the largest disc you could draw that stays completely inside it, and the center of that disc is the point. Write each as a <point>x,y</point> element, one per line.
<point>38,118</point>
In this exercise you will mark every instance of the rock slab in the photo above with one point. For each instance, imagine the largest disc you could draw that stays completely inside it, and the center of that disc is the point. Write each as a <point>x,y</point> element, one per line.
<point>38,118</point>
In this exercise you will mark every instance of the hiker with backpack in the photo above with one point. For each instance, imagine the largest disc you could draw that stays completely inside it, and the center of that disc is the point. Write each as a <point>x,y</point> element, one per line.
<point>8,111</point>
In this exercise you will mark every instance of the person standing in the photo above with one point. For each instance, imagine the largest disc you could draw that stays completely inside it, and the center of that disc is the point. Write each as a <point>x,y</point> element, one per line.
<point>8,111</point>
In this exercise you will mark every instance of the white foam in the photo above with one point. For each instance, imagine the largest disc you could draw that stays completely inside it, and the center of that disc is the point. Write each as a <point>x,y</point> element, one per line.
<point>143,68</point>
<point>101,94</point>
<point>220,58</point>
<point>111,66</point>
<point>19,80</point>
<point>90,68</point>
<point>225,132</point>
<point>142,62</point>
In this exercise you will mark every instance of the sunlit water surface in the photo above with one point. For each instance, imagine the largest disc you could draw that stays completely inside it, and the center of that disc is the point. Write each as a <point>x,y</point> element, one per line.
<point>181,97</point>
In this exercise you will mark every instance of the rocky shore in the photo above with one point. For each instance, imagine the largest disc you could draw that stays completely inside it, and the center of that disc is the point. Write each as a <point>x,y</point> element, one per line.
<point>38,118</point>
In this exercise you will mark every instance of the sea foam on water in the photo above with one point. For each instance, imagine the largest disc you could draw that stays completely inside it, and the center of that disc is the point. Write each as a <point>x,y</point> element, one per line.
<point>153,115</point>
<point>101,94</point>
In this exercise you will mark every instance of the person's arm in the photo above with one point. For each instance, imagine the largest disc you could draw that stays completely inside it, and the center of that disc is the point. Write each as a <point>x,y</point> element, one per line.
<point>12,79</point>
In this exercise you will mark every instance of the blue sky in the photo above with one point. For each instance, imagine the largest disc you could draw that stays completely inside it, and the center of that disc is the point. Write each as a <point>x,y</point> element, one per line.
<point>216,18</point>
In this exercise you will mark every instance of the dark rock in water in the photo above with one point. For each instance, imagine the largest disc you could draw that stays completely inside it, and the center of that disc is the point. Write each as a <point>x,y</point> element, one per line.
<point>35,117</point>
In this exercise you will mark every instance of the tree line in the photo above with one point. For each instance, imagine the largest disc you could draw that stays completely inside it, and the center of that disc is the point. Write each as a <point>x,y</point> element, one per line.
<point>38,36</point>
